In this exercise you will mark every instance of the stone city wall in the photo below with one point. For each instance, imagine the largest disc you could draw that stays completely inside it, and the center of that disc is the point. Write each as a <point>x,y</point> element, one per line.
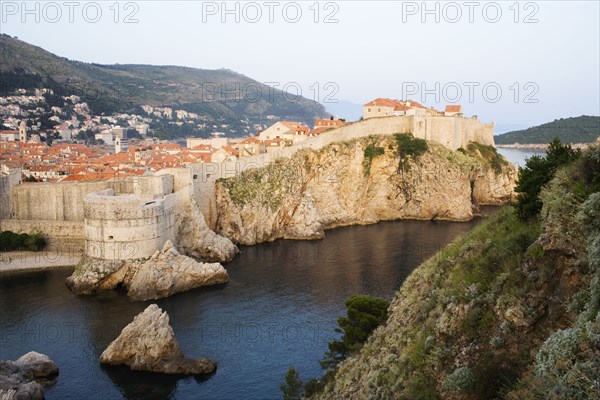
<point>63,201</point>
<point>124,227</point>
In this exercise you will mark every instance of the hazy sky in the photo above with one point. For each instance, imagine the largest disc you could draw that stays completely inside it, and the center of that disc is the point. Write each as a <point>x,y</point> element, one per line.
<point>543,56</point>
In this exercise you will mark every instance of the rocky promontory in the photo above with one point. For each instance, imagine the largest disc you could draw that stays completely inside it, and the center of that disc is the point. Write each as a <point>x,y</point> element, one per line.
<point>165,273</point>
<point>509,311</point>
<point>360,181</point>
<point>148,344</point>
<point>25,378</point>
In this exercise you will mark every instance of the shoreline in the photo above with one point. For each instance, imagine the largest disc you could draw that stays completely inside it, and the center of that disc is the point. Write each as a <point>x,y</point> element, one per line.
<point>540,146</point>
<point>30,261</point>
<point>37,260</point>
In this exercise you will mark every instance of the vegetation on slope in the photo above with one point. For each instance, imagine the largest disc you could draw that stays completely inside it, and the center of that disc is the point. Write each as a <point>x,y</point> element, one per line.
<point>271,183</point>
<point>583,129</point>
<point>10,241</point>
<point>488,153</point>
<point>510,310</point>
<point>538,172</point>
<point>363,315</point>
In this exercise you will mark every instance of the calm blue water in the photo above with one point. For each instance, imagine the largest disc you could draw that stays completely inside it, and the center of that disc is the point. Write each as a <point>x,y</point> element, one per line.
<point>278,310</point>
<point>519,156</point>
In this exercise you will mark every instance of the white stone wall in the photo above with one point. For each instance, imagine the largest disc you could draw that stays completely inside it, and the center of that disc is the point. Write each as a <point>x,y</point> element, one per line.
<point>9,178</point>
<point>63,201</point>
<point>125,227</point>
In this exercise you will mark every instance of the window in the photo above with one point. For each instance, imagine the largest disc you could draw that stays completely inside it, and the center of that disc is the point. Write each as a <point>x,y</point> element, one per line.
<point>110,238</point>
<point>369,109</point>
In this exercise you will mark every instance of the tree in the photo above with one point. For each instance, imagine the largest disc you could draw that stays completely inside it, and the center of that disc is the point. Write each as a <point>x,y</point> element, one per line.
<point>364,314</point>
<point>292,388</point>
<point>537,172</point>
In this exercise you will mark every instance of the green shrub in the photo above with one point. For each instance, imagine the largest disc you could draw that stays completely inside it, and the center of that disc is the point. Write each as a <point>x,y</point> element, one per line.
<point>364,314</point>
<point>488,153</point>
<point>538,171</point>
<point>370,153</point>
<point>10,241</point>
<point>292,388</point>
<point>460,380</point>
<point>409,146</point>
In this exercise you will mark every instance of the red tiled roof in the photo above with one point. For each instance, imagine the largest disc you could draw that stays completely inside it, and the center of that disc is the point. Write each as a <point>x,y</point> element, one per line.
<point>231,150</point>
<point>250,140</point>
<point>318,131</point>
<point>290,124</point>
<point>398,105</point>
<point>455,108</point>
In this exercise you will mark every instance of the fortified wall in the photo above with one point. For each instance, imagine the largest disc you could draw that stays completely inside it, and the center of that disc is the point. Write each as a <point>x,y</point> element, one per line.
<point>124,227</point>
<point>452,132</point>
<point>58,210</point>
<point>9,178</point>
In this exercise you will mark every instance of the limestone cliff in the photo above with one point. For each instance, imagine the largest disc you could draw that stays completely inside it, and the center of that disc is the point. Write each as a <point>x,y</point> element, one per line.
<point>345,183</point>
<point>148,344</point>
<point>165,273</point>
<point>196,239</point>
<point>511,310</point>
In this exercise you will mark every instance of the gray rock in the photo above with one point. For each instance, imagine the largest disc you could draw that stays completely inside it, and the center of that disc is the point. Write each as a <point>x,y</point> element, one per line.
<point>24,378</point>
<point>165,273</point>
<point>148,344</point>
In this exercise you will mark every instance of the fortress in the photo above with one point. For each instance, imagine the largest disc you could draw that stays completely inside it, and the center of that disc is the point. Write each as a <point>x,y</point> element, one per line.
<point>132,217</point>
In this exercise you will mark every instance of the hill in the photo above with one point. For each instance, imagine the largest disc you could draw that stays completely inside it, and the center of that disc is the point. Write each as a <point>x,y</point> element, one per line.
<point>584,129</point>
<point>219,96</point>
<point>509,311</point>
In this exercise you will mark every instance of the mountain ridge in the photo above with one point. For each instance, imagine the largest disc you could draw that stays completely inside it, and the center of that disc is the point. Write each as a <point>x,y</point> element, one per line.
<point>220,95</point>
<point>582,129</point>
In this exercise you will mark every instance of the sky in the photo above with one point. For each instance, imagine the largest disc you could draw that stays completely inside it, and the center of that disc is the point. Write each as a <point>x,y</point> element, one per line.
<point>516,63</point>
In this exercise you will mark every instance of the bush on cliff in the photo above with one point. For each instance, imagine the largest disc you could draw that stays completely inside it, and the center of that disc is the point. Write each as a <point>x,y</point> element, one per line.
<point>364,314</point>
<point>370,152</point>
<point>10,241</point>
<point>409,147</point>
<point>292,388</point>
<point>488,153</point>
<point>538,171</point>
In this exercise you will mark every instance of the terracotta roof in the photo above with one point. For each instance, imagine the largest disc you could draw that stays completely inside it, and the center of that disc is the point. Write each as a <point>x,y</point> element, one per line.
<point>274,142</point>
<point>455,108</point>
<point>202,147</point>
<point>332,123</point>
<point>398,105</point>
<point>318,131</point>
<point>290,124</point>
<point>250,140</point>
<point>231,150</point>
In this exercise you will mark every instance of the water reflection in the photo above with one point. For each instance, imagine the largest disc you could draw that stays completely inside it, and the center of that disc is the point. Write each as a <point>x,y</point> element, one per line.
<point>135,385</point>
<point>279,309</point>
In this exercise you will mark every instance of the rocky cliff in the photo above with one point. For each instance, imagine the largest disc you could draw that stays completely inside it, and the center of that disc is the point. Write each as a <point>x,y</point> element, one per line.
<point>165,273</point>
<point>194,237</point>
<point>361,181</point>
<point>511,310</point>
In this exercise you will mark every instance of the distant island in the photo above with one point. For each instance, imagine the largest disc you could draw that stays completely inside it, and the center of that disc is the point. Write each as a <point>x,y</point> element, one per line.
<point>583,129</point>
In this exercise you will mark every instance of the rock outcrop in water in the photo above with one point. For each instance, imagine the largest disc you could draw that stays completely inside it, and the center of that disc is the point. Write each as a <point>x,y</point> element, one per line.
<point>167,272</point>
<point>148,344</point>
<point>25,378</point>
<point>361,181</point>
